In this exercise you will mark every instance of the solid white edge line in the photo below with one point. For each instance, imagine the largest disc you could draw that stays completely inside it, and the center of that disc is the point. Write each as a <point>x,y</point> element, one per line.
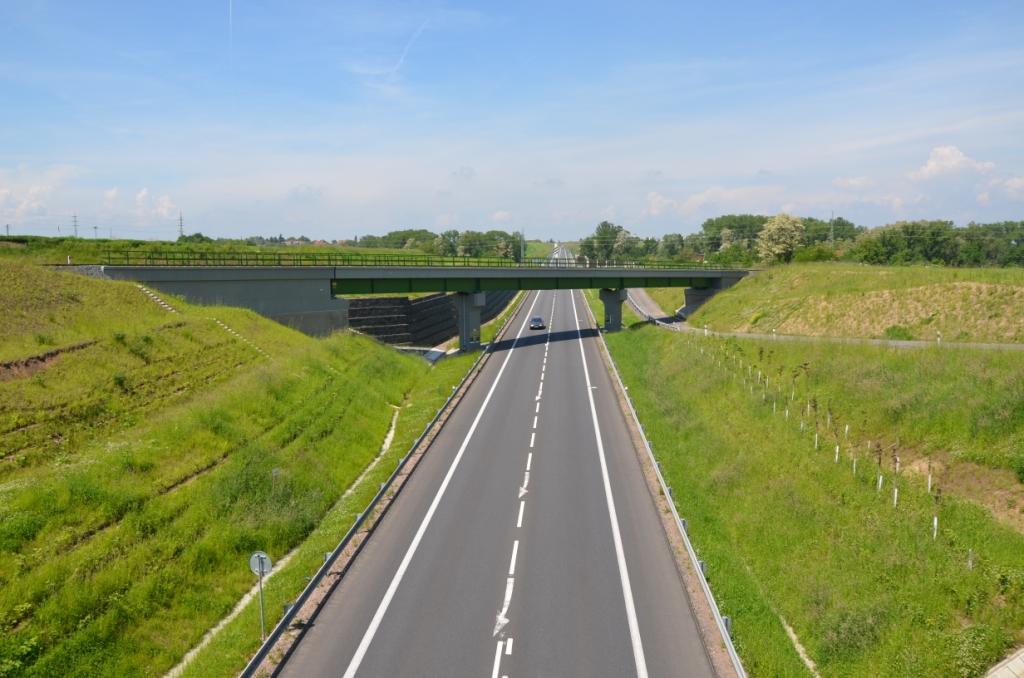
<point>620,555</point>
<point>512,562</point>
<point>371,630</point>
<point>497,660</point>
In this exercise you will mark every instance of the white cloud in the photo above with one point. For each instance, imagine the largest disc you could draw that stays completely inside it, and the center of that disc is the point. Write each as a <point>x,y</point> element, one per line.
<point>110,197</point>
<point>26,194</point>
<point>853,183</point>
<point>740,199</point>
<point>657,204</point>
<point>948,159</point>
<point>501,217</point>
<point>1014,187</point>
<point>164,207</point>
<point>146,208</point>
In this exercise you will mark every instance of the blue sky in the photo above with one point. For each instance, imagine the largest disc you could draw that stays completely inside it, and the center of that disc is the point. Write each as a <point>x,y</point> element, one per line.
<point>337,119</point>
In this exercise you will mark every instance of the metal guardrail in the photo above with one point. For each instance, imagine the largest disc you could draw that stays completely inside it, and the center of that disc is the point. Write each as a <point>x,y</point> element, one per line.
<point>720,621</point>
<point>128,257</point>
<point>282,625</point>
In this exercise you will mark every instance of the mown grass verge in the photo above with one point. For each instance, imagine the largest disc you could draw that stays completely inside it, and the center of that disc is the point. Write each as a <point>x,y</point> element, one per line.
<point>851,300</point>
<point>788,533</point>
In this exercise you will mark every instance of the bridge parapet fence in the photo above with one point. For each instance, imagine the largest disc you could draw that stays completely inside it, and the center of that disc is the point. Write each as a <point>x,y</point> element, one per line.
<point>341,259</point>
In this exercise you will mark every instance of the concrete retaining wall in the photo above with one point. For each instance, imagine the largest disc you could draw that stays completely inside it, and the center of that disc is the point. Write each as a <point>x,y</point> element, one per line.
<point>423,321</point>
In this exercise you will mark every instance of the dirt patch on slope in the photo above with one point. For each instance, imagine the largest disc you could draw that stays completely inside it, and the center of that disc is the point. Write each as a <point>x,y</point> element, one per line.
<point>26,367</point>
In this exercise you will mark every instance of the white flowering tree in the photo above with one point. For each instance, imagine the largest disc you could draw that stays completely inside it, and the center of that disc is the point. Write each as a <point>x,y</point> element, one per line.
<point>781,236</point>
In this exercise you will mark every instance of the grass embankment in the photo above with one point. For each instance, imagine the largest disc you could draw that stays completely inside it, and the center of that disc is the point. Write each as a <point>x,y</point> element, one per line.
<point>850,300</point>
<point>668,298</point>
<point>139,472</point>
<point>44,250</point>
<point>788,533</point>
<point>538,248</point>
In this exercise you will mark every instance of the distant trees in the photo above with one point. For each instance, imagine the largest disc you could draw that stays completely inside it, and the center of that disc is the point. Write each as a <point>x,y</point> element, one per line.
<point>780,238</point>
<point>451,243</point>
<point>194,238</point>
<point>940,242</point>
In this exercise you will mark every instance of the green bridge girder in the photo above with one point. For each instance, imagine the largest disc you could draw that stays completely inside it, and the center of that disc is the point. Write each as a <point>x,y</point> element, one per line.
<point>413,284</point>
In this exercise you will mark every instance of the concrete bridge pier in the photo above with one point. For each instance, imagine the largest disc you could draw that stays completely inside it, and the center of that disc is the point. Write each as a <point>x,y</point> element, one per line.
<point>469,306</point>
<point>612,300</point>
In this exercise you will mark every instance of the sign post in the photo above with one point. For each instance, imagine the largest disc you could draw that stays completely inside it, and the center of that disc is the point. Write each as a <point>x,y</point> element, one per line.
<point>260,564</point>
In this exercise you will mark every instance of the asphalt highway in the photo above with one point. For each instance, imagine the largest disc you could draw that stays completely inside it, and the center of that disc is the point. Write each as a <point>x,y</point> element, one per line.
<point>525,544</point>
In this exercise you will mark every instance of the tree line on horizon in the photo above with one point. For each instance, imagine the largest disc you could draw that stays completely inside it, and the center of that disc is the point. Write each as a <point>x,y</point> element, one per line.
<point>746,239</point>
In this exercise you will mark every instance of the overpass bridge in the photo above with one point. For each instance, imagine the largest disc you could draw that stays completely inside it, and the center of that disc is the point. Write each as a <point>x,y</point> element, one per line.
<point>306,290</point>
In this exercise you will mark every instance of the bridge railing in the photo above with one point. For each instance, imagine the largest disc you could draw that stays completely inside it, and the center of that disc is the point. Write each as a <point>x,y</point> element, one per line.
<point>127,257</point>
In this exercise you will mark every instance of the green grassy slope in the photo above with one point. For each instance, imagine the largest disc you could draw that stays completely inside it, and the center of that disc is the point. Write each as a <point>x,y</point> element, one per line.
<point>538,248</point>
<point>668,298</point>
<point>913,302</point>
<point>138,473</point>
<point>789,534</point>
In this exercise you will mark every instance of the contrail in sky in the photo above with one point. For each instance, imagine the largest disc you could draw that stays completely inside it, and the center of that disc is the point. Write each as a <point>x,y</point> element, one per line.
<point>408,46</point>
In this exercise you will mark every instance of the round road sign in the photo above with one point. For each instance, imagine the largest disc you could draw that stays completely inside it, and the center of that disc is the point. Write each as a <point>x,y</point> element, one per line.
<point>260,563</point>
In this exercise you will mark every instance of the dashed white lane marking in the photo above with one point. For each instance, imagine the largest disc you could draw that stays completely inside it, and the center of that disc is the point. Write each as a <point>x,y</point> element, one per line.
<point>502,619</point>
<point>537,410</point>
<point>385,602</point>
<point>529,460</point>
<point>620,556</point>
<point>532,435</point>
<point>519,520</point>
<point>526,479</point>
<point>508,647</point>
<point>535,421</point>
<point>497,659</point>
<point>512,562</point>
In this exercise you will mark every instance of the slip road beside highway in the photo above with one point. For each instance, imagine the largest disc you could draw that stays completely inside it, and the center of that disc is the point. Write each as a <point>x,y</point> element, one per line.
<point>525,544</point>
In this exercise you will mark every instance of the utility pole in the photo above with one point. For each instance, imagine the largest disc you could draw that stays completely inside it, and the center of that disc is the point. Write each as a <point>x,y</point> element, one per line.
<point>74,219</point>
<point>8,227</point>
<point>832,228</point>
<point>95,232</point>
<point>522,246</point>
<point>181,225</point>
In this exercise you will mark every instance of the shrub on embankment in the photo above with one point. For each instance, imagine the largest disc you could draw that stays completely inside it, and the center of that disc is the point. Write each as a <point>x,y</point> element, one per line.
<point>140,472</point>
<point>851,300</point>
<point>789,534</point>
